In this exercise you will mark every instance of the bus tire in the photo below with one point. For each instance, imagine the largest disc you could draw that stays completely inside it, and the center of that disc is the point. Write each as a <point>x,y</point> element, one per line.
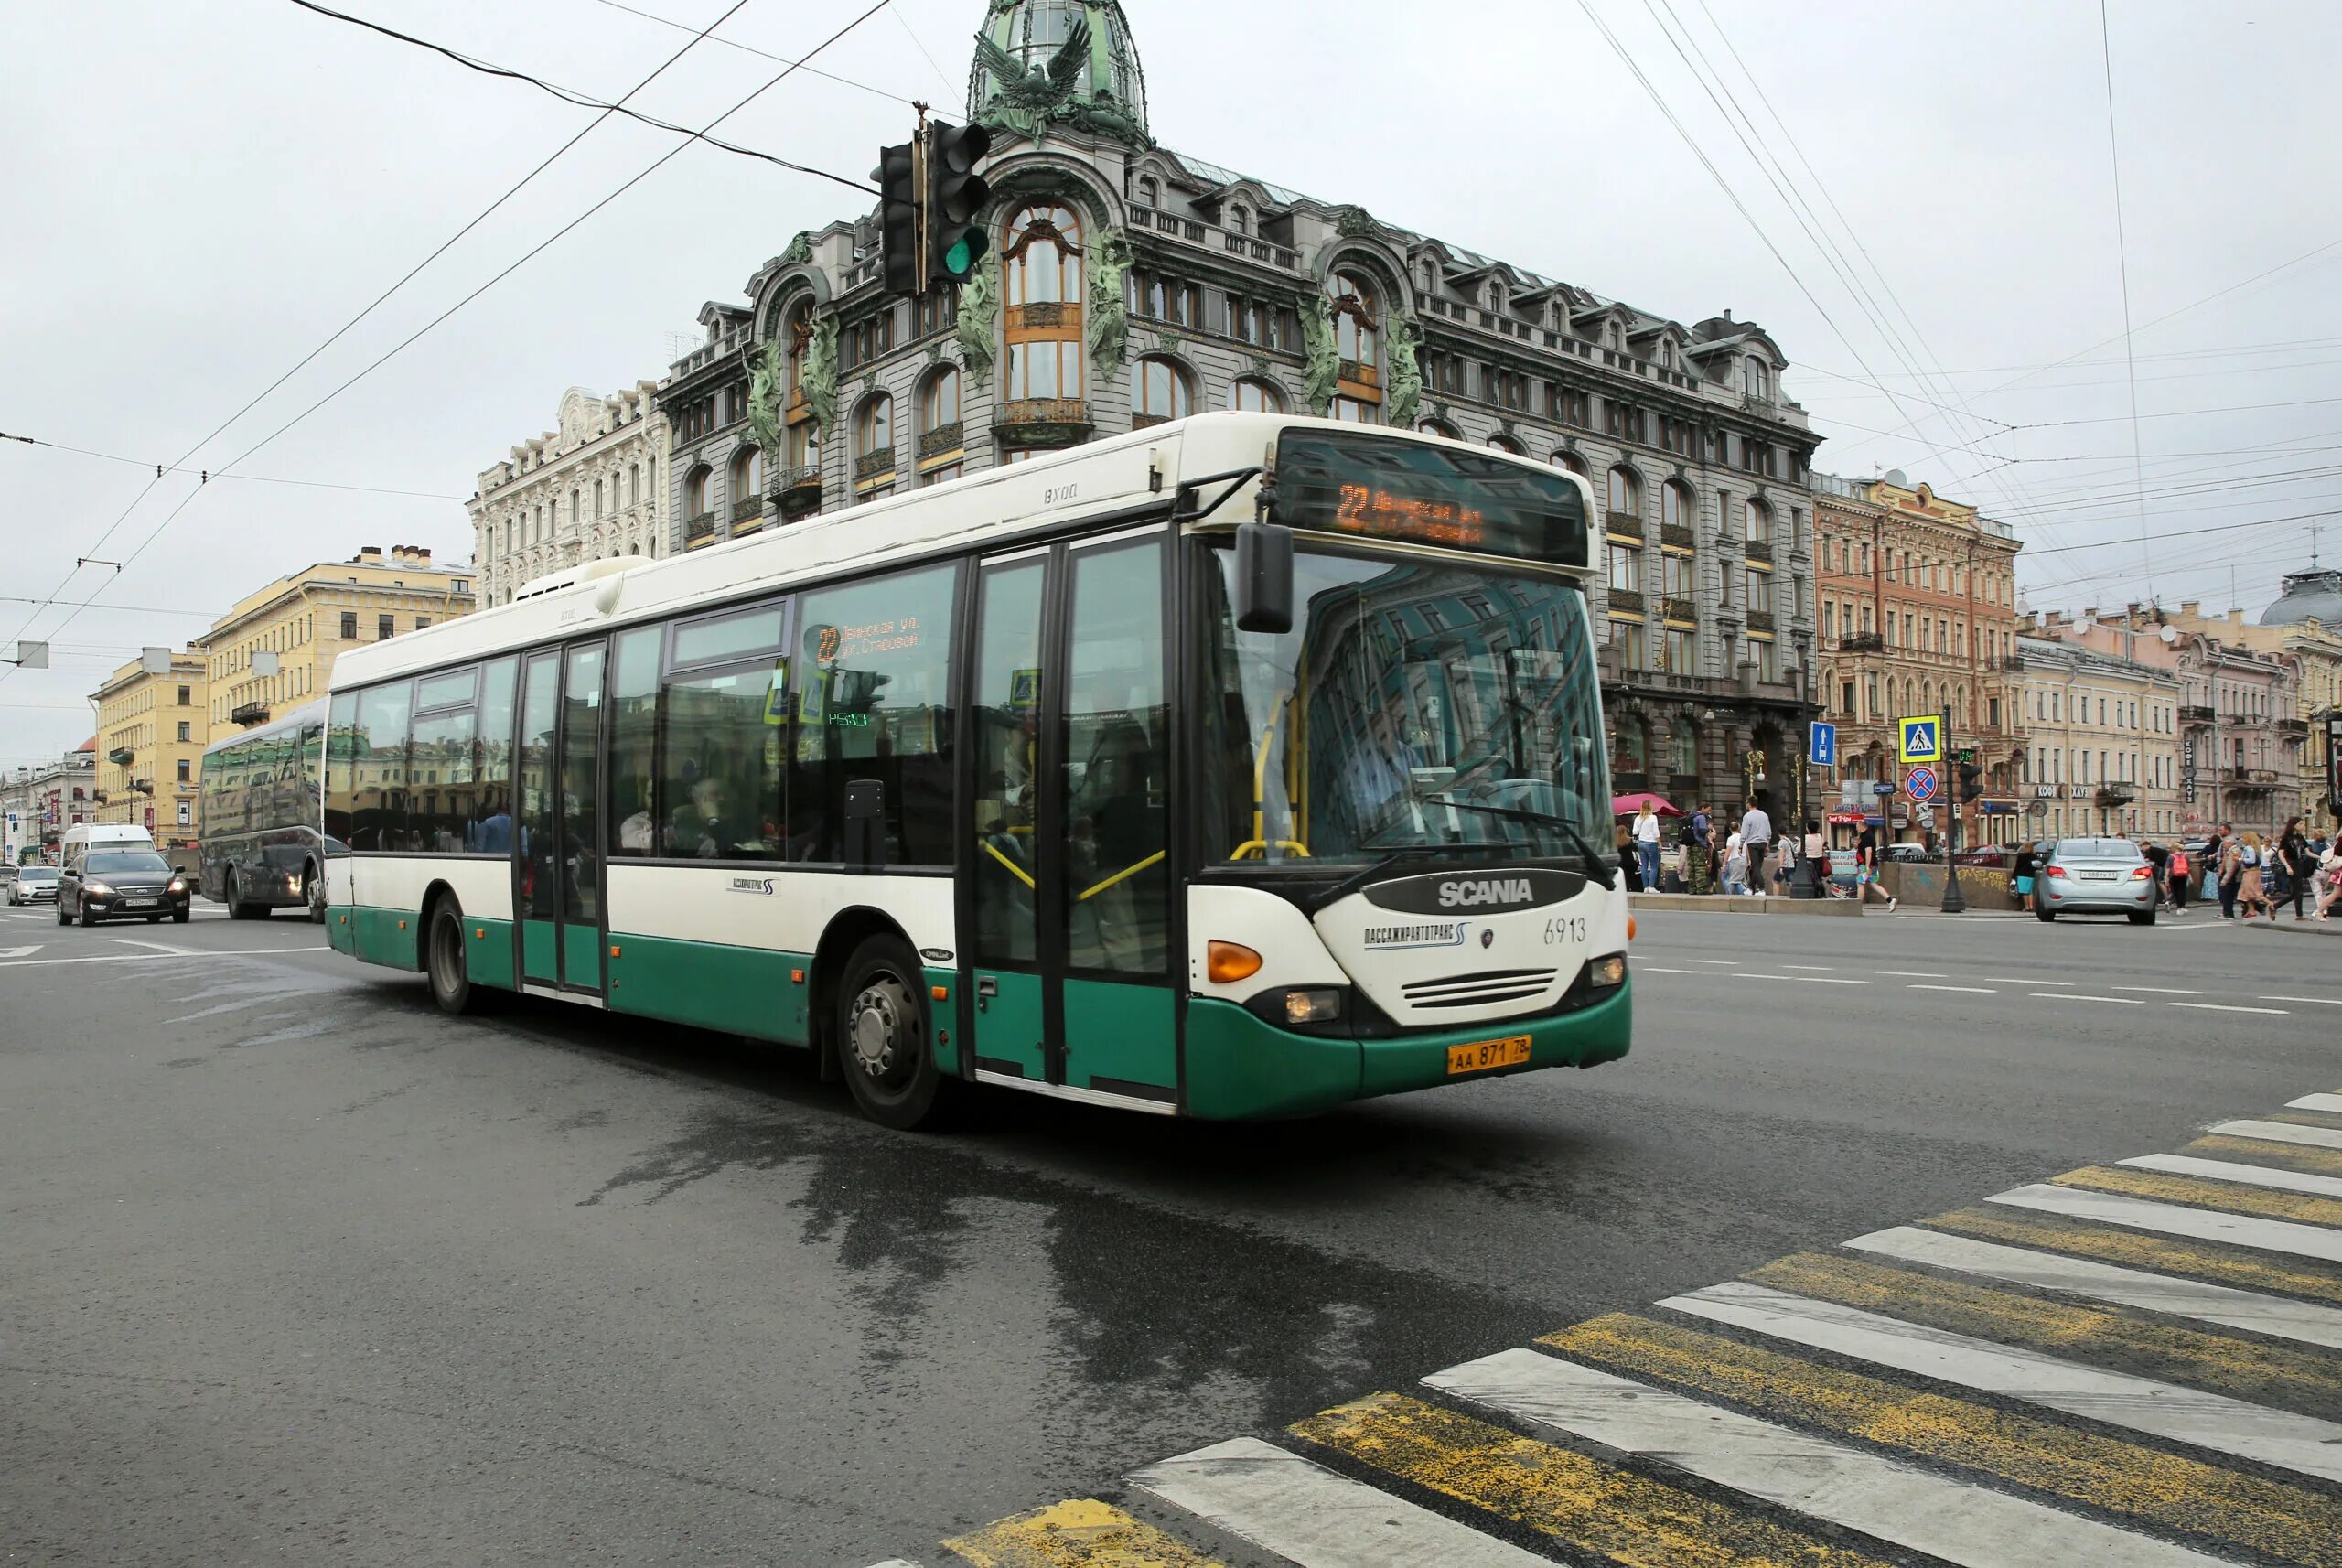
<point>883,1039</point>
<point>313,892</point>
<point>444,960</point>
<point>237,909</point>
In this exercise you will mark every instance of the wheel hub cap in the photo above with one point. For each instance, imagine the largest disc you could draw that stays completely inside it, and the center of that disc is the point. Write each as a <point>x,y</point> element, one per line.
<point>878,1026</point>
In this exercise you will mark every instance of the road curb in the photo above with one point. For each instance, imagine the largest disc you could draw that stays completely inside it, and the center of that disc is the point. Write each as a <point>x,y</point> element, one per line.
<point>1726,904</point>
<point>2330,929</point>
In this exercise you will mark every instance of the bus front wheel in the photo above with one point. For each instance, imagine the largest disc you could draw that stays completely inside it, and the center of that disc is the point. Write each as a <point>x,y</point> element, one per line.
<point>451,979</point>
<point>313,892</point>
<point>883,1039</point>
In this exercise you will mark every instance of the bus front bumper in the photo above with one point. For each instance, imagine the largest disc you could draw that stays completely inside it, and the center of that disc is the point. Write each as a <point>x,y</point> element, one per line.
<point>1237,1067</point>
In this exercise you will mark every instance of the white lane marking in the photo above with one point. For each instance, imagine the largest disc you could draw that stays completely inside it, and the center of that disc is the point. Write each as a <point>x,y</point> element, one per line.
<point>2312,1000</point>
<point>1654,969</point>
<point>19,953</point>
<point>2223,1305</point>
<point>2232,1426</point>
<point>1715,962</point>
<point>895,1562</point>
<point>1307,1514</point>
<point>1969,989</point>
<point>1800,978</point>
<point>2279,1132</point>
<point>1910,974</point>
<point>2317,1103</point>
<point>2220,1007</point>
<point>2249,1176</point>
<point>2158,990</point>
<point>1952,1521</point>
<point>2173,1220</point>
<point>159,946</point>
<point>159,958</point>
<point>2024,980</point>
<point>2075,996</point>
<point>1812,967</point>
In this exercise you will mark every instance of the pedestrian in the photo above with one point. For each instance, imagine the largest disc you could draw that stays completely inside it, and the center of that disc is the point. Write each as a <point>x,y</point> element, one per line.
<point>2231,872</point>
<point>1647,846</point>
<point>2251,883</point>
<point>1735,865</point>
<point>2292,854</point>
<point>2159,859</point>
<point>2183,878</point>
<point>2021,875</point>
<point>1816,849</point>
<point>1630,865</point>
<point>1699,850</point>
<point>1756,839</point>
<point>2330,865</point>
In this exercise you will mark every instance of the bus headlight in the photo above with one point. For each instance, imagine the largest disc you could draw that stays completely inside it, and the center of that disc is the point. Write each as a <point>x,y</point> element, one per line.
<point>1608,973</point>
<point>1312,1007</point>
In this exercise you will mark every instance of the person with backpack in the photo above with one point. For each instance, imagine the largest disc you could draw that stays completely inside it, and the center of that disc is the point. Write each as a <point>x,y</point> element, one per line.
<point>2252,882</point>
<point>2229,871</point>
<point>2182,871</point>
<point>1700,851</point>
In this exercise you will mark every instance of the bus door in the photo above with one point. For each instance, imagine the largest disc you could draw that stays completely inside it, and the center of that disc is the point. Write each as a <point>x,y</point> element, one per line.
<point>1068,961</point>
<point>557,862</point>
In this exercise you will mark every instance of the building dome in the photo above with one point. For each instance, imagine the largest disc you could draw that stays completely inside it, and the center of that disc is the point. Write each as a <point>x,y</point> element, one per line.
<point>1044,62</point>
<point>2314,594</point>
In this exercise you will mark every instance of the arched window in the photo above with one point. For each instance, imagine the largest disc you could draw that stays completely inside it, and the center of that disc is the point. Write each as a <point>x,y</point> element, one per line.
<point>1683,748</point>
<point>940,432</point>
<point>1356,325</point>
<point>1674,505</point>
<point>747,481</point>
<point>1430,280</point>
<point>1626,492</point>
<point>1496,297</point>
<point>600,508</point>
<point>1571,461</point>
<point>1506,443</point>
<point>1160,390</point>
<point>1240,221</point>
<point>698,492</point>
<point>1755,377</point>
<point>1254,396</point>
<point>1150,194</point>
<point>1041,287</point>
<point>634,484</point>
<point>1437,427</point>
<point>1632,748</point>
<point>874,447</point>
<point>1758,519</point>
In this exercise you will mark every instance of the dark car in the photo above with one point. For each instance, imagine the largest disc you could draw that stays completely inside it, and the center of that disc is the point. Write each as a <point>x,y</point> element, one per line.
<point>122,885</point>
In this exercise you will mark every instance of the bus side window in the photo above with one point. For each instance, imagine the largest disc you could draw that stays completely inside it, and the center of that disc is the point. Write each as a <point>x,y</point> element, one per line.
<point>873,702</point>
<point>341,778</point>
<point>379,820</point>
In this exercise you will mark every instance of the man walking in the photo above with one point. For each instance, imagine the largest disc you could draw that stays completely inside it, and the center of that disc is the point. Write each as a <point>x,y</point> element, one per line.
<point>1756,839</point>
<point>1699,850</point>
<point>2160,859</point>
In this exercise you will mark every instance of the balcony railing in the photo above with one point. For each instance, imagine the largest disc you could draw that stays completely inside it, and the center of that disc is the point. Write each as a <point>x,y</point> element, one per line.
<point>1629,601</point>
<point>1148,421</point>
<point>248,714</point>
<point>2195,714</point>
<point>1863,642</point>
<point>2297,727</point>
<point>943,438</point>
<point>1043,422</point>
<point>122,757</point>
<point>1761,620</point>
<point>2112,795</point>
<point>1680,610</point>
<point>747,508</point>
<point>2014,664</point>
<point>1625,524</point>
<point>699,529</point>
<point>1677,536</point>
<point>1761,550</point>
<point>870,464</point>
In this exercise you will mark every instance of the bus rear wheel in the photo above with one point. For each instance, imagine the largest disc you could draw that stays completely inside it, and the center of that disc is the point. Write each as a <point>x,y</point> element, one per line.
<point>238,909</point>
<point>443,950</point>
<point>313,893</point>
<point>883,1039</point>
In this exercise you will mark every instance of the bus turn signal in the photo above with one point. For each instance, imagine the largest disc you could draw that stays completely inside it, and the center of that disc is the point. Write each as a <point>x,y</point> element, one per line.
<point>1228,962</point>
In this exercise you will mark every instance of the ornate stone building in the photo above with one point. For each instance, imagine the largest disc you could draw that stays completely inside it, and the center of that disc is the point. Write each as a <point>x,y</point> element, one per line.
<point>594,486</point>
<point>1130,283</point>
<point>1918,616</point>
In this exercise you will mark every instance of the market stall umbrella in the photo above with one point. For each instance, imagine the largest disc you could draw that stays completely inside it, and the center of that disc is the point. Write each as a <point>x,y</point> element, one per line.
<point>1629,805</point>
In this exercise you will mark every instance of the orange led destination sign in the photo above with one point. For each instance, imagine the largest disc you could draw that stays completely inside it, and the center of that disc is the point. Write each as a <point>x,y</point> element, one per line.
<point>1388,488</point>
<point>1427,519</point>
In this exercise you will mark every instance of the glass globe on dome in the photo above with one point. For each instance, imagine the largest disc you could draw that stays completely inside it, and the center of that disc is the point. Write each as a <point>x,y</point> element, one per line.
<point>1044,62</point>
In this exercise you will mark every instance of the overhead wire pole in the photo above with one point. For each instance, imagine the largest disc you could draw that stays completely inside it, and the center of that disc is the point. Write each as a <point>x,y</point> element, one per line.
<point>530,255</point>
<point>371,306</point>
<point>2122,259</point>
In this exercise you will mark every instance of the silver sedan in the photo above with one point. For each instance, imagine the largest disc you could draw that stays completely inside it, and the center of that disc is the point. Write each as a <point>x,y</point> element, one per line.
<point>2097,876</point>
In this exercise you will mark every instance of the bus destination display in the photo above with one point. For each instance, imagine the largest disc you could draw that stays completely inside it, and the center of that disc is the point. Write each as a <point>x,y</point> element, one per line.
<point>1377,488</point>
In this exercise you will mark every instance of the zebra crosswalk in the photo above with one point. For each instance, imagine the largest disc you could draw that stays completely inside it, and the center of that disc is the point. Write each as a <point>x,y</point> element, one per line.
<point>2136,1363</point>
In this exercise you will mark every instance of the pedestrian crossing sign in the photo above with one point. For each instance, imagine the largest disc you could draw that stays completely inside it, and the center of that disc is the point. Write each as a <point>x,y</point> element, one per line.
<point>1923,738</point>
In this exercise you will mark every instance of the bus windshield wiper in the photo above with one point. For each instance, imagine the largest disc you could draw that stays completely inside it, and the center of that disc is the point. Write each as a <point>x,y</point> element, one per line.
<point>1366,874</point>
<point>1601,870</point>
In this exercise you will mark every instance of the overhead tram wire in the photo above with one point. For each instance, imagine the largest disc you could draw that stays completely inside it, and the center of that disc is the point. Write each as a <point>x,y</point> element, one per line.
<point>570,95</point>
<point>920,45</point>
<point>2122,257</point>
<point>371,307</point>
<point>161,468</point>
<point>413,336</point>
<point>764,54</point>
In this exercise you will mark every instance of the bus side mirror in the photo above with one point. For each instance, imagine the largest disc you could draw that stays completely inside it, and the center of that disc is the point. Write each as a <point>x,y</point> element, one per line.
<point>1263,578</point>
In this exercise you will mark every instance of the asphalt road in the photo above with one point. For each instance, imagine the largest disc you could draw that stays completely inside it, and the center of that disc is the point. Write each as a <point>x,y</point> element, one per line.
<point>293,1270</point>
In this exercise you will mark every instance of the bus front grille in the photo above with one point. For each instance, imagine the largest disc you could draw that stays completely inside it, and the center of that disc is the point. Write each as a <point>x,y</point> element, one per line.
<point>1482,990</point>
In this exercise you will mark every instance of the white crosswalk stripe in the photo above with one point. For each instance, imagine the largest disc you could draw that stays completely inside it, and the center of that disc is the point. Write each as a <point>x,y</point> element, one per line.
<point>2281,1133</point>
<point>1314,1518</point>
<point>2226,1426</point>
<point>2332,1103</point>
<point>2223,1305</point>
<point>2173,1220</point>
<point>2246,1175</point>
<point>1948,1520</point>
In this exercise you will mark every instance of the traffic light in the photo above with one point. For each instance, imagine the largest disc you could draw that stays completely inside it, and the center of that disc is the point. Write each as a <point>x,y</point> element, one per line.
<point>956,195</point>
<point>899,198</point>
<point>1971,777</point>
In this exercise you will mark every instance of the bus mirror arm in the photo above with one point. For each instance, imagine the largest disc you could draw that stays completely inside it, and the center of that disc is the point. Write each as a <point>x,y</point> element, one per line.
<point>1264,570</point>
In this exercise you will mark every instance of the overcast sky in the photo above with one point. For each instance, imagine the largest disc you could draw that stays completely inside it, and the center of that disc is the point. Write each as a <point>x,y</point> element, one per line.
<point>200,192</point>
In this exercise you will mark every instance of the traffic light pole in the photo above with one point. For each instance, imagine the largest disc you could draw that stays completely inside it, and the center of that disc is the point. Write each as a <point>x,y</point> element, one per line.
<point>1955,900</point>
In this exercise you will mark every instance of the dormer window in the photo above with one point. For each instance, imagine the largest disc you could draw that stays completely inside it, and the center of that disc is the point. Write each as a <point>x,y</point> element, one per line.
<point>1239,222</point>
<point>1150,194</point>
<point>1755,377</point>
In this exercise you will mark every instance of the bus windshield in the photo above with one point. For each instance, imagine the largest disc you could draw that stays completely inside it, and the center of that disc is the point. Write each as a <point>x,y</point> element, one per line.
<point>1413,704</point>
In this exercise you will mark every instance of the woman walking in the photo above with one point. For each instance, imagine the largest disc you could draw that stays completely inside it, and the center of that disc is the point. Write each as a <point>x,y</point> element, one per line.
<point>2329,868</point>
<point>2021,875</point>
<point>2182,871</point>
<point>2251,883</point>
<point>1647,846</point>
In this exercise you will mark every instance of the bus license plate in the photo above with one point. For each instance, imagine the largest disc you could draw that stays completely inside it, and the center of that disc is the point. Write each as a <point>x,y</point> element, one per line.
<point>1482,1055</point>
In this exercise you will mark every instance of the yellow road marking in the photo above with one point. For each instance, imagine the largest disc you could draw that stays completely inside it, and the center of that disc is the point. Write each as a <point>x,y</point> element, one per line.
<point>1080,1533</point>
<point>2260,1151</point>
<point>2268,1374</point>
<point>2305,1118</point>
<point>1595,1507</point>
<point>2166,1491</point>
<point>2135,1249</point>
<point>2204,1193</point>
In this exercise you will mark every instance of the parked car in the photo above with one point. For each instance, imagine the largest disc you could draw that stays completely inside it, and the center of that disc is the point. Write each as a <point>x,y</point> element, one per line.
<point>2097,876</point>
<point>34,885</point>
<point>122,885</point>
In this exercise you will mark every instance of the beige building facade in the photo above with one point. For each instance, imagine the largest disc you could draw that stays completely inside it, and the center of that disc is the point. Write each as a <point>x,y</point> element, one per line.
<point>305,620</point>
<point>594,486</point>
<point>152,729</point>
<point>2103,736</point>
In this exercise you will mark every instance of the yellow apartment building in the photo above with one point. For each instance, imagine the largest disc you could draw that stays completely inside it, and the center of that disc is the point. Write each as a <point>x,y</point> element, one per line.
<point>152,729</point>
<point>307,617</point>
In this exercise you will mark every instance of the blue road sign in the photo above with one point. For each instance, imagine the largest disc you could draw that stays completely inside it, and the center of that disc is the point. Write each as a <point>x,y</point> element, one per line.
<point>1884,788</point>
<point>1922,738</point>
<point>1920,785</point>
<point>1823,750</point>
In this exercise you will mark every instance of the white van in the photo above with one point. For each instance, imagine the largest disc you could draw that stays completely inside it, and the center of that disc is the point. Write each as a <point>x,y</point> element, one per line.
<point>83,837</point>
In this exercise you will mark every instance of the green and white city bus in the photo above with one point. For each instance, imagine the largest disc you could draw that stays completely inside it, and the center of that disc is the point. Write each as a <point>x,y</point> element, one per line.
<point>1239,767</point>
